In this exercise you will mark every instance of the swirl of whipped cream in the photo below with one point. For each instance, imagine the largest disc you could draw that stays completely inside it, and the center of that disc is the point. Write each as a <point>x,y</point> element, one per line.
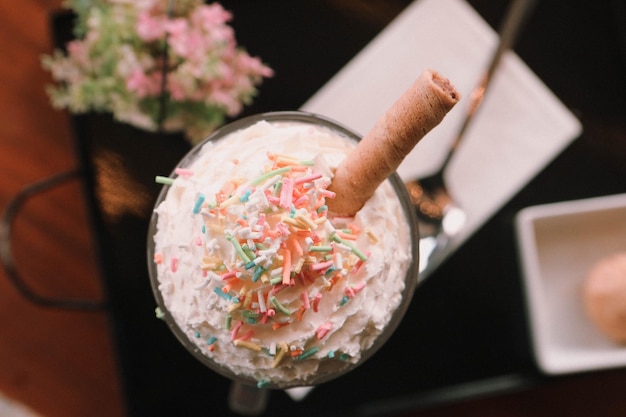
<point>255,270</point>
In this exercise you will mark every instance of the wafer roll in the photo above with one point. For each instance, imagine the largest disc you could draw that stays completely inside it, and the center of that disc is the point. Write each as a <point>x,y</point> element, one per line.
<point>380,152</point>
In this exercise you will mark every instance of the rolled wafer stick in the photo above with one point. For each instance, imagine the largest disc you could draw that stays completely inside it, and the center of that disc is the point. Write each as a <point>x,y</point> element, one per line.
<point>380,152</point>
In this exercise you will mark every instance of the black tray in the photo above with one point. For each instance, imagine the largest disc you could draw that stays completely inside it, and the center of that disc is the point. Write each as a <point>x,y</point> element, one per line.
<point>465,333</point>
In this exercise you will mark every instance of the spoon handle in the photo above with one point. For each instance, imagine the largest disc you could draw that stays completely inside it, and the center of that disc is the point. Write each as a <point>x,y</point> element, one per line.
<point>515,18</point>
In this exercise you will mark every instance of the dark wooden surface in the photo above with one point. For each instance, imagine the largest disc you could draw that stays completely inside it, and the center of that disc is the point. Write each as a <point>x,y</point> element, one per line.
<point>58,363</point>
<point>63,363</point>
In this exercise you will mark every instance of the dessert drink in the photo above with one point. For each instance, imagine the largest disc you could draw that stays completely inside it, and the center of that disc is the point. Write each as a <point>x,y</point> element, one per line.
<point>261,268</point>
<point>257,272</point>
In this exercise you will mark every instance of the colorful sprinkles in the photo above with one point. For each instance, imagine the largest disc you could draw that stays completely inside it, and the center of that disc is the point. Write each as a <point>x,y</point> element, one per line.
<point>281,238</point>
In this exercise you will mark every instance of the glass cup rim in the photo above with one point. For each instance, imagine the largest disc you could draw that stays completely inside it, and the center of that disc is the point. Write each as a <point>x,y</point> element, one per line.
<point>411,279</point>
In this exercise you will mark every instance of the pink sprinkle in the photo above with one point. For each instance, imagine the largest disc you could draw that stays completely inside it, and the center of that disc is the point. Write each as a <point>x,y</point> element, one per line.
<point>308,178</point>
<point>235,331</point>
<point>228,275</point>
<point>323,330</point>
<point>246,336</point>
<point>174,264</point>
<point>316,302</point>
<point>305,300</point>
<point>303,200</point>
<point>349,291</point>
<point>184,172</point>
<point>282,229</point>
<point>322,265</point>
<point>286,193</point>
<point>271,198</point>
<point>198,241</point>
<point>360,263</point>
<point>277,288</point>
<point>328,193</point>
<point>359,287</point>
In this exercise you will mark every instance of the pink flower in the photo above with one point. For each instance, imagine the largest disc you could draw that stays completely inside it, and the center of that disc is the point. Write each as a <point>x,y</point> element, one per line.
<point>142,84</point>
<point>207,71</point>
<point>209,16</point>
<point>179,40</point>
<point>176,89</point>
<point>79,52</point>
<point>253,65</point>
<point>150,28</point>
<point>231,104</point>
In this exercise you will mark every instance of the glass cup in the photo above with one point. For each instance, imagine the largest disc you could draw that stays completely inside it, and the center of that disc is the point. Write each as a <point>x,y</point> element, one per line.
<point>245,396</point>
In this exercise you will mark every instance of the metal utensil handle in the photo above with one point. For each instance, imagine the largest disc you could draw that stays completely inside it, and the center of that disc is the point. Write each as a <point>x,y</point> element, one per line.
<point>514,20</point>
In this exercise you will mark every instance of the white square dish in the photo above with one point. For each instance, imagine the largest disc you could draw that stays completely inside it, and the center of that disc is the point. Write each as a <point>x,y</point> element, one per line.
<point>559,243</point>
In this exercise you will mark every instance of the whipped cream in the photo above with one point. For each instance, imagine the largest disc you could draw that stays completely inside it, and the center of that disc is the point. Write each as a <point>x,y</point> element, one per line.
<point>257,273</point>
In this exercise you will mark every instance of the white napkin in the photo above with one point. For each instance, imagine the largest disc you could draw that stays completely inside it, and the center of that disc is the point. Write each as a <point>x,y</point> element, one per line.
<point>520,127</point>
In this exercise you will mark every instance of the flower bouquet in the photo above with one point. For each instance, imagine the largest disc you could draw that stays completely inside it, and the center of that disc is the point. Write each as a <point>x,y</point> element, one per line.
<point>155,64</point>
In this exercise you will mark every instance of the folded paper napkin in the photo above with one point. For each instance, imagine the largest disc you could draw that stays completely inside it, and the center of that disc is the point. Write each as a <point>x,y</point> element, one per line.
<point>520,127</point>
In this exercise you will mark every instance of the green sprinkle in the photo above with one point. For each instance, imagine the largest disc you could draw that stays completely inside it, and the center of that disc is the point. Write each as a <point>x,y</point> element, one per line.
<point>159,313</point>
<point>269,175</point>
<point>279,306</point>
<point>322,208</point>
<point>344,300</point>
<point>249,314</point>
<point>239,249</point>
<point>276,280</point>
<point>257,273</point>
<point>248,251</point>
<point>308,353</point>
<point>308,163</point>
<point>228,320</point>
<point>262,383</point>
<point>277,187</point>
<point>198,334</point>
<point>344,357</point>
<point>353,248</point>
<point>356,251</point>
<point>331,354</point>
<point>211,340</point>
<point>159,179</point>
<point>320,248</point>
